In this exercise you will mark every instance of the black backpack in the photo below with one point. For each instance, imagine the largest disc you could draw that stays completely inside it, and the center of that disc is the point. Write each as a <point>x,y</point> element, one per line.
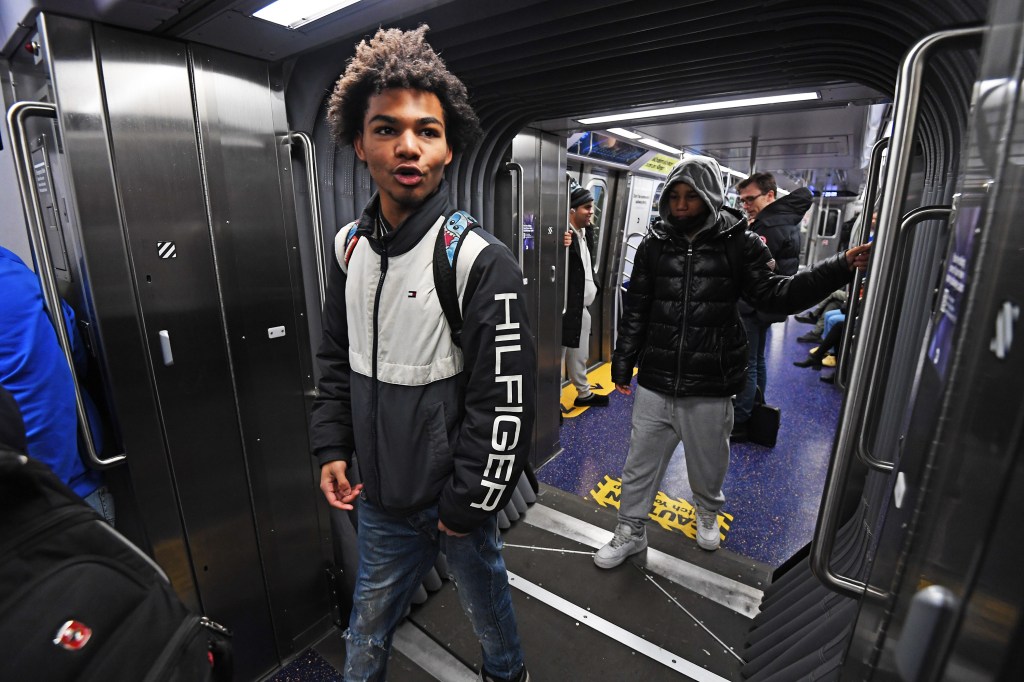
<point>80,602</point>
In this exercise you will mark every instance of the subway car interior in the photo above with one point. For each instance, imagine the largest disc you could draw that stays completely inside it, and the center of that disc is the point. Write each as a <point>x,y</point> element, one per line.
<point>167,170</point>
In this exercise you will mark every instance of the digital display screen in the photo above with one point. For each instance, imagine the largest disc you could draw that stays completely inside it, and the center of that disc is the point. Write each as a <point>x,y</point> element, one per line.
<point>605,148</point>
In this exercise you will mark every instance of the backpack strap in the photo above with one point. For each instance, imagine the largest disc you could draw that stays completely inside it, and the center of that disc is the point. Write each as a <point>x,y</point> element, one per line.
<point>446,253</point>
<point>345,244</point>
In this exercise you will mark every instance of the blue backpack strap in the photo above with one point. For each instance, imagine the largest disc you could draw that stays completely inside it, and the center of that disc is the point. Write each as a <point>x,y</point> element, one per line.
<point>446,254</point>
<point>345,243</point>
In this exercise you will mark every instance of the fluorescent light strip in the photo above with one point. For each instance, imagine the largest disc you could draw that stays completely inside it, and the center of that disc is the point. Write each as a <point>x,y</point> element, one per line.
<point>707,106</point>
<point>659,145</point>
<point>297,13</point>
<point>622,132</point>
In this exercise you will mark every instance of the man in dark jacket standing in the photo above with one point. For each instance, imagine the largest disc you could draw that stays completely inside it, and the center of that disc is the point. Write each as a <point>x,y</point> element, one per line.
<point>581,292</point>
<point>440,426</point>
<point>682,326</point>
<point>777,223</point>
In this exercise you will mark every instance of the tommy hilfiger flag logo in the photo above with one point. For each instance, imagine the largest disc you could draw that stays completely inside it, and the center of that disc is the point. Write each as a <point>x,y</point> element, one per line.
<point>166,250</point>
<point>412,294</point>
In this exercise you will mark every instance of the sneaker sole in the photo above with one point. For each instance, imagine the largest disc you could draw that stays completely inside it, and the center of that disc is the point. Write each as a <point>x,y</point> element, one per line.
<point>708,546</point>
<point>612,563</point>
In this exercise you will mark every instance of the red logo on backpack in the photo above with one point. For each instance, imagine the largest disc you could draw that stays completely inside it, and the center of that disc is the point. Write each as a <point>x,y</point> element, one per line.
<point>73,635</point>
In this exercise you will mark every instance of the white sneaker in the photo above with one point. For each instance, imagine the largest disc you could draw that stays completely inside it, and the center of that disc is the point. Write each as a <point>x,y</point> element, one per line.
<point>708,535</point>
<point>622,545</point>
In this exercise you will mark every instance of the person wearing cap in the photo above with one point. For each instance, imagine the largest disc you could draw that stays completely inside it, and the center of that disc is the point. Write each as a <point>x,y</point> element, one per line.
<point>582,291</point>
<point>681,327</point>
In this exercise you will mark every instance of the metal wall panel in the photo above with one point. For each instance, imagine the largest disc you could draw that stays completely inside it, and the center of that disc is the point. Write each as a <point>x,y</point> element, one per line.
<point>107,274</point>
<point>542,157</point>
<point>253,224</point>
<point>149,104</point>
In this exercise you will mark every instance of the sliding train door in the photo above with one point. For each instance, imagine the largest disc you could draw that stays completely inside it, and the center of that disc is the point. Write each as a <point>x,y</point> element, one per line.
<point>171,225</point>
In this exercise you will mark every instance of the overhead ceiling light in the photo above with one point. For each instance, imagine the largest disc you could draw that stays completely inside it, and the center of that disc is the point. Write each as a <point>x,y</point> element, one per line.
<point>706,106</point>
<point>659,145</point>
<point>297,13</point>
<point>622,132</point>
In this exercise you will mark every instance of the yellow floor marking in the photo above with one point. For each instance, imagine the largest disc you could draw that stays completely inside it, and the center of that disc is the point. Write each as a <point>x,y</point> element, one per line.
<point>600,379</point>
<point>671,514</point>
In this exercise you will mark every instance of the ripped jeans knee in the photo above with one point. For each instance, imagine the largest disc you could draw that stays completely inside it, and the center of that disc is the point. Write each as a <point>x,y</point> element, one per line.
<point>366,659</point>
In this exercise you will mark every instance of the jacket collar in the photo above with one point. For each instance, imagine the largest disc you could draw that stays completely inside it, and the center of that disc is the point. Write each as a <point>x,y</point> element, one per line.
<point>729,220</point>
<point>415,226</point>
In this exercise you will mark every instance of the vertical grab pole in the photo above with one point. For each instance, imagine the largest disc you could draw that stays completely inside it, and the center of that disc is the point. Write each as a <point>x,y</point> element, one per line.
<point>565,287</point>
<point>516,168</point>
<point>907,97</point>
<point>309,157</point>
<point>860,237</point>
<point>16,116</point>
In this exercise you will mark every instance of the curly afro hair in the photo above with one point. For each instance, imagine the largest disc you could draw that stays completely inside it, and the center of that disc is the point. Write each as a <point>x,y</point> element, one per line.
<point>400,59</point>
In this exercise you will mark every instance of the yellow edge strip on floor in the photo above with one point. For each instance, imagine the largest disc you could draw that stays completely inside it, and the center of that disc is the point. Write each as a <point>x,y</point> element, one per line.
<point>600,379</point>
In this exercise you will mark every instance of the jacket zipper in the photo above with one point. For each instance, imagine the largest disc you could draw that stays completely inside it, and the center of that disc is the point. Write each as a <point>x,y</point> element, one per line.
<point>373,388</point>
<point>686,309</point>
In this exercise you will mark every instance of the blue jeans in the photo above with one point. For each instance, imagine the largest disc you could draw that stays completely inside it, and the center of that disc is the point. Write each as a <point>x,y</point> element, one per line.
<point>395,553</point>
<point>831,318</point>
<point>757,375</point>
<point>102,501</point>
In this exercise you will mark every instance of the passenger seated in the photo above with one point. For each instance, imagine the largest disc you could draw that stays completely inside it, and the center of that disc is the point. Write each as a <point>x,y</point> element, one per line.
<point>816,316</point>
<point>819,355</point>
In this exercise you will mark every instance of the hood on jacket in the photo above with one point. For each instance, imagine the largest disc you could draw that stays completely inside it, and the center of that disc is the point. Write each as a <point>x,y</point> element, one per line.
<point>788,210</point>
<point>704,175</point>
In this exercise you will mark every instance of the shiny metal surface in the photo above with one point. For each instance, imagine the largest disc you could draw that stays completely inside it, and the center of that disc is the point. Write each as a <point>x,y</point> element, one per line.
<point>113,309</point>
<point>518,170</point>
<point>30,202</point>
<point>900,153</point>
<point>163,195</point>
<point>542,157</point>
<point>313,185</point>
<point>860,233</point>
<point>253,229</point>
<point>885,337</point>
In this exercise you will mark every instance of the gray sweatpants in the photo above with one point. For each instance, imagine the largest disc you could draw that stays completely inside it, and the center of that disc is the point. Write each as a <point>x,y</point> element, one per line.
<point>576,359</point>
<point>660,422</point>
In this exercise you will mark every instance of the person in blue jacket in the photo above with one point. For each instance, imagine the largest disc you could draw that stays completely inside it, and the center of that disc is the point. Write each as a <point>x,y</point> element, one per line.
<point>440,426</point>
<point>33,368</point>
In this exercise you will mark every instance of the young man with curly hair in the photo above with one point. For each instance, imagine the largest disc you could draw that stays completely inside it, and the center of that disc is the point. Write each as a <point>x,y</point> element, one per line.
<point>436,420</point>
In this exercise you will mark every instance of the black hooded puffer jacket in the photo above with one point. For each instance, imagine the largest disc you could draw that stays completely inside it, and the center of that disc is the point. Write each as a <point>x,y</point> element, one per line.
<point>681,325</point>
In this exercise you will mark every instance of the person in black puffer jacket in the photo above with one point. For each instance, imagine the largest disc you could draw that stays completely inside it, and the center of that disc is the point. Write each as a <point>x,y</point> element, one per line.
<point>681,328</point>
<point>777,223</point>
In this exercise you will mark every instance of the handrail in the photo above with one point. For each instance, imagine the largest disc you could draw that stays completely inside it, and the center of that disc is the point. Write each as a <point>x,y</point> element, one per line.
<point>906,100</point>
<point>860,236</point>
<point>912,218</point>
<point>512,166</point>
<point>565,289</point>
<point>16,116</point>
<point>309,156</point>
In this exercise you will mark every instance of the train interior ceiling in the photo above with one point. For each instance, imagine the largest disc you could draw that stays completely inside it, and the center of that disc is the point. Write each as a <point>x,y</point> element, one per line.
<point>199,127</point>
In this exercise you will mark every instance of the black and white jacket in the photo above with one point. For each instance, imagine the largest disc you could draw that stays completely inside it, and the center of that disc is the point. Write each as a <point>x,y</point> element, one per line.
<point>430,423</point>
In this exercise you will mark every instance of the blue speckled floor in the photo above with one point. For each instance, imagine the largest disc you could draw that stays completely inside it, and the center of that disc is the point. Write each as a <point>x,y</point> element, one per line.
<point>309,667</point>
<point>773,494</point>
